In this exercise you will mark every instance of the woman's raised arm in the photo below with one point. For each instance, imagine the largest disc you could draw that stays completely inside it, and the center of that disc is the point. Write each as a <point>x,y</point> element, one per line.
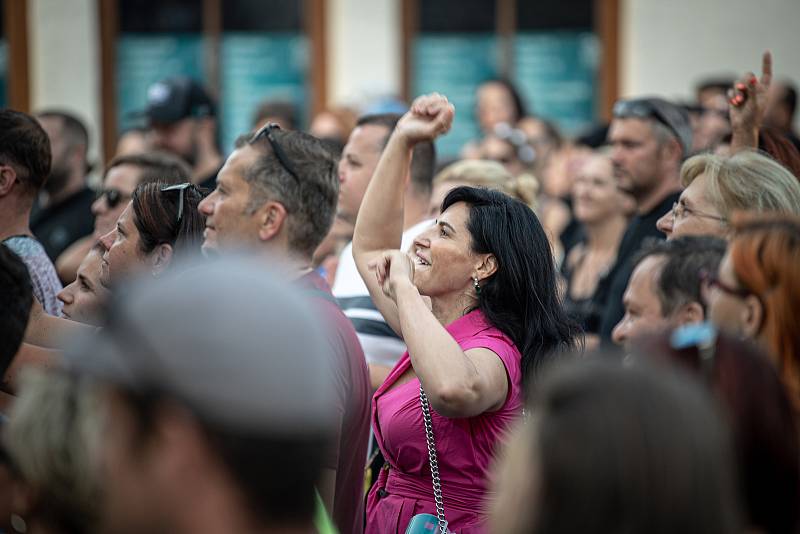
<point>379,225</point>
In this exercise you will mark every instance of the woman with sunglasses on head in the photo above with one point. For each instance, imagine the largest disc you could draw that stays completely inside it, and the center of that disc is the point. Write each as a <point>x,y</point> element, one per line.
<point>756,293</point>
<point>122,176</point>
<point>159,224</point>
<point>716,186</point>
<point>493,318</point>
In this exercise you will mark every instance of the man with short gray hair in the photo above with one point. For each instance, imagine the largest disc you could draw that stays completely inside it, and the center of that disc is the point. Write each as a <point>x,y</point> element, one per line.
<point>649,140</point>
<point>276,197</point>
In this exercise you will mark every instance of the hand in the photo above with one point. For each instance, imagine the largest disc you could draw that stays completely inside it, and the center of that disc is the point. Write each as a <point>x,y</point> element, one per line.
<point>748,99</point>
<point>429,117</point>
<point>392,269</point>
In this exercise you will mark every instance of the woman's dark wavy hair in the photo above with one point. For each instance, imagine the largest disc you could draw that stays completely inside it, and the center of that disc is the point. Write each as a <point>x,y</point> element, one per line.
<point>520,298</point>
<point>156,218</point>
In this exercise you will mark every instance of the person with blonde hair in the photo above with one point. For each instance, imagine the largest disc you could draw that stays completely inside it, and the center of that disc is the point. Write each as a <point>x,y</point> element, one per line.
<point>482,173</point>
<point>756,291</point>
<point>716,186</point>
<point>51,440</point>
<point>602,209</point>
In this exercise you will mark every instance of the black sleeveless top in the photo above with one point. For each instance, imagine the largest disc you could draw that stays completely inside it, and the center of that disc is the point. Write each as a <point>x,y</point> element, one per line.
<point>588,311</point>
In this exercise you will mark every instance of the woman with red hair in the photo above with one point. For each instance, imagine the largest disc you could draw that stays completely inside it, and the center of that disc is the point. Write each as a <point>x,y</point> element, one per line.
<point>756,292</point>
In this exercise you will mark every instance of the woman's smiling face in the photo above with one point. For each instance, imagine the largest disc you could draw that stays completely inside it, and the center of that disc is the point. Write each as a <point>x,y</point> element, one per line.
<point>443,258</point>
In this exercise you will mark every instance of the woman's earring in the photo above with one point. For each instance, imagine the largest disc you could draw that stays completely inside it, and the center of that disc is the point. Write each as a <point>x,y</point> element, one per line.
<point>476,284</point>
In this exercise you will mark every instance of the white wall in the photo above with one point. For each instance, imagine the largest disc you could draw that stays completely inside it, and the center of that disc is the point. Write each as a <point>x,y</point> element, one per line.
<point>364,49</point>
<point>65,61</point>
<point>665,48</point>
<point>668,46</point>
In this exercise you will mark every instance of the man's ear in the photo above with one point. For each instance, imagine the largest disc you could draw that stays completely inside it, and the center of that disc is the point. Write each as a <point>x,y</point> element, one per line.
<point>690,313</point>
<point>8,176</point>
<point>487,267</point>
<point>272,218</point>
<point>161,258</point>
<point>672,151</point>
<point>753,316</point>
<point>77,153</point>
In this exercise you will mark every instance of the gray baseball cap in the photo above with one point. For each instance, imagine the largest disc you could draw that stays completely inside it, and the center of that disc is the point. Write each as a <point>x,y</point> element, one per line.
<point>674,117</point>
<point>232,341</point>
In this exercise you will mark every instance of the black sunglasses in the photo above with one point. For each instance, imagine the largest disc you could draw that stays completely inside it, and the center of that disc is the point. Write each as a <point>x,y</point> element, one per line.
<point>642,109</point>
<point>181,188</point>
<point>113,196</point>
<point>283,159</point>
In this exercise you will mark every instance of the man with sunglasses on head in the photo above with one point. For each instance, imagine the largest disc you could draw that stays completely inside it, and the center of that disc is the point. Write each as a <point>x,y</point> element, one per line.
<point>122,176</point>
<point>649,140</point>
<point>666,287</point>
<point>276,198</point>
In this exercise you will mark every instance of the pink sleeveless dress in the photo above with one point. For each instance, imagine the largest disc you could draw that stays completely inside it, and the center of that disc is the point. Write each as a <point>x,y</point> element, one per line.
<point>465,447</point>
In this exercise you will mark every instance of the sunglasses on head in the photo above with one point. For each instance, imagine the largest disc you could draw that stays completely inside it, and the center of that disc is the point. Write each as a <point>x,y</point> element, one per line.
<point>181,188</point>
<point>113,196</point>
<point>641,109</point>
<point>283,159</point>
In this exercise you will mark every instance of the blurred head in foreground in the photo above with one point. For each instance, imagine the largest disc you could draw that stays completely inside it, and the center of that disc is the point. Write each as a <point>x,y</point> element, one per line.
<point>51,441</point>
<point>757,409</point>
<point>612,449</point>
<point>217,428</point>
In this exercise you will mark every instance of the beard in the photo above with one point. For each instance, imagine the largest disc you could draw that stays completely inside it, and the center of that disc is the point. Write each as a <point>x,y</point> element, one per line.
<point>58,178</point>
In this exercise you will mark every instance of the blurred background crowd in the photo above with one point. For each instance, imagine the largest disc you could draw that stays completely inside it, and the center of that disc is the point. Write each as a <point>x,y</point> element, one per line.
<point>572,228</point>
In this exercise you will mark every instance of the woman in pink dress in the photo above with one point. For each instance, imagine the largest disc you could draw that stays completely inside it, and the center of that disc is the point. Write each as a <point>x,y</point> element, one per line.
<point>492,317</point>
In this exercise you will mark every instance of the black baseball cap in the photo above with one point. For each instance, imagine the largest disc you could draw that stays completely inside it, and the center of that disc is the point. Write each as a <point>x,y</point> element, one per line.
<point>173,99</point>
<point>674,117</point>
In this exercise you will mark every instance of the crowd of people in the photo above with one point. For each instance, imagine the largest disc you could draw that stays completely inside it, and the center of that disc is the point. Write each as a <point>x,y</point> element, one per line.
<point>340,330</point>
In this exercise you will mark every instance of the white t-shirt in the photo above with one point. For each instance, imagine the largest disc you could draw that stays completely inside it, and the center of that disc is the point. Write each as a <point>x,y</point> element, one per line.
<point>381,344</point>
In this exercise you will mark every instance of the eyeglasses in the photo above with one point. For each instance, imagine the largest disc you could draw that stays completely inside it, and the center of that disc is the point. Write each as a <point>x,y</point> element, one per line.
<point>181,188</point>
<point>283,159</point>
<point>113,196</point>
<point>642,109</point>
<point>712,280</point>
<point>679,210</point>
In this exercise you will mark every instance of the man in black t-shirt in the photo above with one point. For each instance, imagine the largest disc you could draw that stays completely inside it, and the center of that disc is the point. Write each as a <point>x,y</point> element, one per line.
<point>649,138</point>
<point>62,214</point>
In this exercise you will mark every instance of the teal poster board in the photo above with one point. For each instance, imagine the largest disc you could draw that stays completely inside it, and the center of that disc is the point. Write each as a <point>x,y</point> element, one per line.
<point>143,59</point>
<point>255,67</point>
<point>556,72</point>
<point>3,73</point>
<point>455,65</point>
